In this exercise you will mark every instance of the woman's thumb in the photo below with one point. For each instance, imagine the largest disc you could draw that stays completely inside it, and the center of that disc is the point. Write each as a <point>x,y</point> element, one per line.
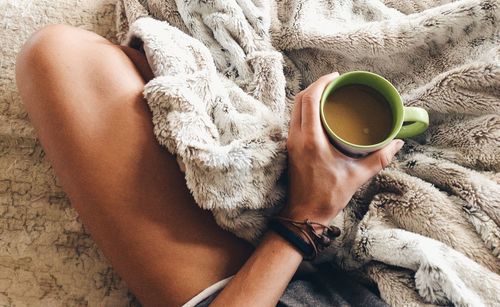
<point>381,158</point>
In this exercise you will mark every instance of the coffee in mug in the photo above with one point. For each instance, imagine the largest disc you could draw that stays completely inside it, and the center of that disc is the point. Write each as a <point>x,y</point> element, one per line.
<point>362,112</point>
<point>358,114</point>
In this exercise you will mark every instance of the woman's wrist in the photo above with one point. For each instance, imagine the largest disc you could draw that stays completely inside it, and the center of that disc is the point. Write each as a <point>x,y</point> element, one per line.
<point>311,212</point>
<point>307,236</point>
<point>271,237</point>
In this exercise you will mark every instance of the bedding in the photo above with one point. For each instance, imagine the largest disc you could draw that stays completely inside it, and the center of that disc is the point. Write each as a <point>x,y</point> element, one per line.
<point>426,229</point>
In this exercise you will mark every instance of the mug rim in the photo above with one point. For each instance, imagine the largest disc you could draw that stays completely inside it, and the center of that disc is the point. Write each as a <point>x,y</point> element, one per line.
<point>399,117</point>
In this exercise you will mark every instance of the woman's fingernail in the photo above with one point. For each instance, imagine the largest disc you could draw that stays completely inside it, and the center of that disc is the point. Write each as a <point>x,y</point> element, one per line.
<point>399,144</point>
<point>335,73</point>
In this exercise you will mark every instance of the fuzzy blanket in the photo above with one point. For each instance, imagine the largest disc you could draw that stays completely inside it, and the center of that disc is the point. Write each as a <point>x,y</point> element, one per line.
<point>426,230</point>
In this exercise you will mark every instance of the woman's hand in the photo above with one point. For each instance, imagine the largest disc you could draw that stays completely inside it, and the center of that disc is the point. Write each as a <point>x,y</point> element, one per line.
<point>322,180</point>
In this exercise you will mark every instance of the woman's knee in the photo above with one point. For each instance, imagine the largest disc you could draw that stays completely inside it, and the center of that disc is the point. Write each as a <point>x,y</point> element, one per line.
<point>43,47</point>
<point>59,57</point>
<point>38,59</point>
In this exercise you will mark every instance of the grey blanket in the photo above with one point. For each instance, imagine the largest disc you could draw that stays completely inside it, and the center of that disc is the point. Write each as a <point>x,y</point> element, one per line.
<point>426,230</point>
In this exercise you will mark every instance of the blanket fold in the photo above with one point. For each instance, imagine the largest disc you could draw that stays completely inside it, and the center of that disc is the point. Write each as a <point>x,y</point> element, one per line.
<point>427,229</point>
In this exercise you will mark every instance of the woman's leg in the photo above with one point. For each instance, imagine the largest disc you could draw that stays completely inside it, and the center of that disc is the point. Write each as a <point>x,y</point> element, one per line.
<point>83,96</point>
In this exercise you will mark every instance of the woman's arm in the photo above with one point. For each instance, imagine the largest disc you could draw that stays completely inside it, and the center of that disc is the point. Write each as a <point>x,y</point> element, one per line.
<point>265,275</point>
<point>322,181</point>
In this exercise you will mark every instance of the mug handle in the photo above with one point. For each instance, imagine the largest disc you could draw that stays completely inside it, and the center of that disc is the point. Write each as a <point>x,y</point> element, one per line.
<point>419,121</point>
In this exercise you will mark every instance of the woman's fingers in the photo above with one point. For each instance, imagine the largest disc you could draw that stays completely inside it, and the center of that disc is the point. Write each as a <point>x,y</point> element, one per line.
<point>295,119</point>
<point>378,160</point>
<point>310,104</point>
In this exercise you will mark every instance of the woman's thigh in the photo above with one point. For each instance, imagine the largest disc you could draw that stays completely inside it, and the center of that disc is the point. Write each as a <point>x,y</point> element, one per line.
<point>83,96</point>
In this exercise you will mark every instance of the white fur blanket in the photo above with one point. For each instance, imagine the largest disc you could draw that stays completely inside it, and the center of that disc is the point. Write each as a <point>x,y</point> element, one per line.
<point>426,230</point>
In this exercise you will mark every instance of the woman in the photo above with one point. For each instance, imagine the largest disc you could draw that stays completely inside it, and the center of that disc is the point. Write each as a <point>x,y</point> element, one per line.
<point>83,96</point>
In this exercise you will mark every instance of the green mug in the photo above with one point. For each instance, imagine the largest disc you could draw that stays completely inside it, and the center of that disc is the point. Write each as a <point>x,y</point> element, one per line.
<point>406,121</point>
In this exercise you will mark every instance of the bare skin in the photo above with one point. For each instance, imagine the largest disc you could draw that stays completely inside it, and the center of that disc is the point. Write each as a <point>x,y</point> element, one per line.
<point>83,96</point>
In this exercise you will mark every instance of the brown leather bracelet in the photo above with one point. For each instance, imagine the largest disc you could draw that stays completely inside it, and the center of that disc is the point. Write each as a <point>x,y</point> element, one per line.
<point>321,240</point>
<point>304,236</point>
<point>305,246</point>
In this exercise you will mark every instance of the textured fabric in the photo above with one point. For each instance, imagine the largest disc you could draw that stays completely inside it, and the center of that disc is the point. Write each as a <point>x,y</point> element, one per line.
<point>322,288</point>
<point>46,257</point>
<point>426,230</point>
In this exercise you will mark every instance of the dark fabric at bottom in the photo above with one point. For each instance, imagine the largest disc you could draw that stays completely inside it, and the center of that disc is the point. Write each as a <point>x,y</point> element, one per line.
<point>326,287</point>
